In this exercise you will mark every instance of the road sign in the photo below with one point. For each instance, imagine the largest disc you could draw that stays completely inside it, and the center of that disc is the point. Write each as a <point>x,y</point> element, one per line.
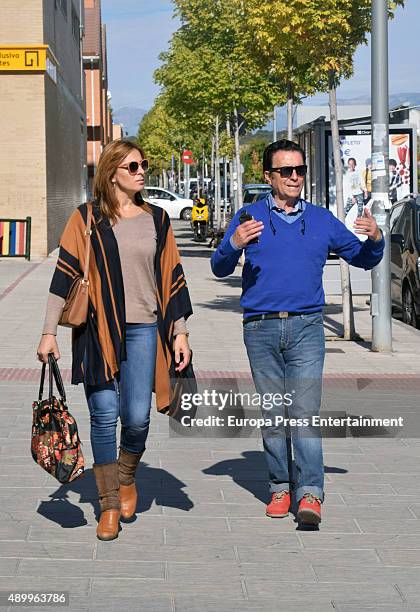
<point>23,58</point>
<point>187,157</point>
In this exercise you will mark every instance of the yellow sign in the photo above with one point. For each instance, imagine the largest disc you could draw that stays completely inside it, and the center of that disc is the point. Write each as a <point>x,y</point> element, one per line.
<point>23,58</point>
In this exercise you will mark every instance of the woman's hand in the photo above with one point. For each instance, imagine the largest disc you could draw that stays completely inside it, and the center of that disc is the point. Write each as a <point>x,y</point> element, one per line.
<point>47,345</point>
<point>181,347</point>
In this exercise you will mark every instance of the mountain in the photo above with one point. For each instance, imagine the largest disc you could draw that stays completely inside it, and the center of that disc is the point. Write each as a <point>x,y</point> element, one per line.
<point>130,117</point>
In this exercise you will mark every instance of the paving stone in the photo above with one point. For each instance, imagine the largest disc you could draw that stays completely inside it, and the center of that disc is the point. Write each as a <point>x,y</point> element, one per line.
<point>356,593</point>
<point>8,566</point>
<point>361,511</point>
<point>153,603</point>
<point>357,541</point>
<point>382,608</point>
<point>330,572</point>
<point>122,569</point>
<point>278,553</point>
<point>387,526</point>
<point>390,500</point>
<point>46,550</point>
<point>74,586</point>
<point>131,551</point>
<point>400,558</point>
<point>414,507</point>
<point>143,587</point>
<point>358,488</point>
<point>220,510</point>
<point>198,604</point>
<point>285,568</point>
<point>11,530</point>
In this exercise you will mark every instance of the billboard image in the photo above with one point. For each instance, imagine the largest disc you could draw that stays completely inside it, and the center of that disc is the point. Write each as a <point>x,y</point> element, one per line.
<point>356,159</point>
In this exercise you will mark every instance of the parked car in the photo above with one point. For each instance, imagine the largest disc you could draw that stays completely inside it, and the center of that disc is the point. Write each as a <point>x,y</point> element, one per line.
<point>405,259</point>
<point>175,205</point>
<point>254,192</point>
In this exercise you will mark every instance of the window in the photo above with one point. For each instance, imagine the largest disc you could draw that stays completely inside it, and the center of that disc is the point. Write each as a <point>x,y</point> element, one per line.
<point>418,226</point>
<point>395,213</point>
<point>75,24</point>
<point>402,224</point>
<point>163,195</point>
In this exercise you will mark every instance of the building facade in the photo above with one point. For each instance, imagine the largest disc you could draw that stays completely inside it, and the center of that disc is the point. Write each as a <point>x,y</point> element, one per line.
<point>98,110</point>
<point>42,115</point>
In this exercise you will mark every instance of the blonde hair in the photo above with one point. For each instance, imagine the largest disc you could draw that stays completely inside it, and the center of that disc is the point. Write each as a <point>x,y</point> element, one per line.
<point>103,191</point>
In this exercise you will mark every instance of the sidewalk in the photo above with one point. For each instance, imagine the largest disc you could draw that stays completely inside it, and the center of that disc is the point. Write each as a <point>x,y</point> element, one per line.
<point>201,541</point>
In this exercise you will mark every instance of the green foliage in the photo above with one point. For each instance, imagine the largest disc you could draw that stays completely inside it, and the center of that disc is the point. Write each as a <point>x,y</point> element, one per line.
<point>252,155</point>
<point>305,39</point>
<point>162,135</point>
<point>208,69</point>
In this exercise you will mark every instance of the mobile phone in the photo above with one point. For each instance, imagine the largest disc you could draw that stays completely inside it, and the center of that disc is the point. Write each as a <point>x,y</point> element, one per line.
<point>245,216</point>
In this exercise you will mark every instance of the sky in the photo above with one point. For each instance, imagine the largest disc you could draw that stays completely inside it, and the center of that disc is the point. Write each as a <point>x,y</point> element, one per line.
<point>139,30</point>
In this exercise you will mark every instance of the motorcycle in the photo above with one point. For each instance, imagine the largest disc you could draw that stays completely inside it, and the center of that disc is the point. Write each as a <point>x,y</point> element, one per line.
<point>200,220</point>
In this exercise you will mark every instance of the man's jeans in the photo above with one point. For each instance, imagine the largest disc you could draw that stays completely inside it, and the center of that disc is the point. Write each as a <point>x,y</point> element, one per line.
<point>128,398</point>
<point>287,357</point>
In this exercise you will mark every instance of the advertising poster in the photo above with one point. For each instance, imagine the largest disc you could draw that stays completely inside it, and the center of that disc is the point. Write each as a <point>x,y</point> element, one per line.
<point>357,160</point>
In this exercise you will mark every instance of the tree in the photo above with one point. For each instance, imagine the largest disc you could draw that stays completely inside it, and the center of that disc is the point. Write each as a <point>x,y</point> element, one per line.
<point>316,42</point>
<point>209,72</point>
<point>252,160</point>
<point>163,136</point>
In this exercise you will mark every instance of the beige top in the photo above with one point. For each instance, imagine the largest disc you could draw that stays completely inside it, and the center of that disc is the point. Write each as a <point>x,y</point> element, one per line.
<point>136,238</point>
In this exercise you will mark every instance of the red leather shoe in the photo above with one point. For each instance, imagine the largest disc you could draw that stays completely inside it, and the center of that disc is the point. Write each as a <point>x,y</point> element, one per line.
<point>279,505</point>
<point>309,510</point>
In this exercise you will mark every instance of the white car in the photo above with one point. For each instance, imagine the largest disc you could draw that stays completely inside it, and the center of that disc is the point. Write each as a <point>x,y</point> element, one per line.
<point>175,205</point>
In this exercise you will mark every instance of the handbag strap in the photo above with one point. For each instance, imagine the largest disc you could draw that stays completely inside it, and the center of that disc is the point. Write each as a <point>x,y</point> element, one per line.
<point>57,377</point>
<point>53,374</point>
<point>41,384</point>
<point>88,233</point>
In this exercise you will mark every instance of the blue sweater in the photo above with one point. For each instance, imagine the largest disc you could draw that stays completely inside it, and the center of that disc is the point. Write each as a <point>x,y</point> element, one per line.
<point>283,272</point>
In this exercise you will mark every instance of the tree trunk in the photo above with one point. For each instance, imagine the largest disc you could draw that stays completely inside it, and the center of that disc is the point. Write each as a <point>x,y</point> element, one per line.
<point>289,112</point>
<point>274,124</point>
<point>348,316</point>
<point>238,160</point>
<point>203,172</point>
<point>232,172</point>
<point>217,176</point>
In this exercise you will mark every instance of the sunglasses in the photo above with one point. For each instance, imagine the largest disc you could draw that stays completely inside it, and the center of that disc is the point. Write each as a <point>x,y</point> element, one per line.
<point>287,171</point>
<point>133,167</point>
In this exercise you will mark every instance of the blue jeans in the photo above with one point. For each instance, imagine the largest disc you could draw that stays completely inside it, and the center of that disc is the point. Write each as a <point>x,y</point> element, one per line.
<point>287,357</point>
<point>129,398</point>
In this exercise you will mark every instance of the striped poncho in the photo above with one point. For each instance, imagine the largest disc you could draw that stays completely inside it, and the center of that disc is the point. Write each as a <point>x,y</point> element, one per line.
<point>102,339</point>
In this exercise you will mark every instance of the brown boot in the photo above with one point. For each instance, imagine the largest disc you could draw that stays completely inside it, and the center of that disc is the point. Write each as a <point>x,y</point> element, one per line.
<point>127,463</point>
<point>106,476</point>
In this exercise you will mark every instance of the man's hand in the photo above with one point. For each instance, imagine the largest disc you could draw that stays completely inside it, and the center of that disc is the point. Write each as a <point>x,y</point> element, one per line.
<point>181,347</point>
<point>246,232</point>
<point>367,226</point>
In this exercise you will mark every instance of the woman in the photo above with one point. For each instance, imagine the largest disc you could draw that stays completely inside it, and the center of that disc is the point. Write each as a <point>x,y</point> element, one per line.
<point>135,336</point>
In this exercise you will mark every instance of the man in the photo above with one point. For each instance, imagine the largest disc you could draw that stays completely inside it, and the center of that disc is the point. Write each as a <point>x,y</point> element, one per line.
<point>282,298</point>
<point>357,187</point>
<point>395,181</point>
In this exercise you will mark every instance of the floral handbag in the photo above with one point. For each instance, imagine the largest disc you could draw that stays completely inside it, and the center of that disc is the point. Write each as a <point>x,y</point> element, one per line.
<point>55,443</point>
